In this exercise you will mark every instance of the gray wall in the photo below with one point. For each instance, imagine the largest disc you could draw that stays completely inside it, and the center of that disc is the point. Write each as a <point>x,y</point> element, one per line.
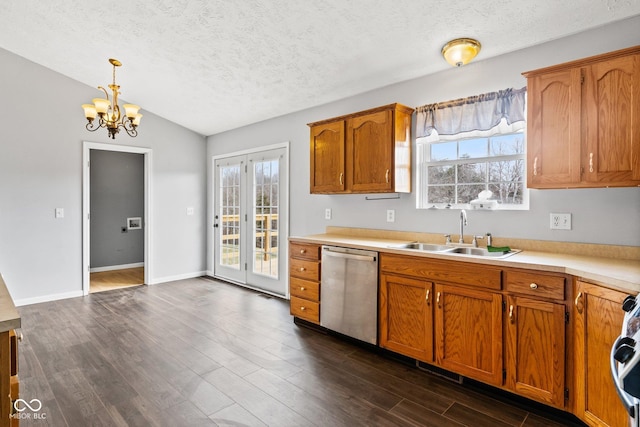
<point>117,193</point>
<point>608,216</point>
<point>41,169</point>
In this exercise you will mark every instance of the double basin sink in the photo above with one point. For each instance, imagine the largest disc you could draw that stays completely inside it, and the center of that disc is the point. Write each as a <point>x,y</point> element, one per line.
<point>455,250</point>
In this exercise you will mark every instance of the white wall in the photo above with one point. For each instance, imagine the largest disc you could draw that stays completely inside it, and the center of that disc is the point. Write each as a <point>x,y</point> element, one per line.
<point>607,216</point>
<point>41,169</point>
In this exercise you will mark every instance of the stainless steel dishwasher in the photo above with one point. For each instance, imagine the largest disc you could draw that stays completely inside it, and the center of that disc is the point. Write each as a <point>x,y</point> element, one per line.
<point>349,292</point>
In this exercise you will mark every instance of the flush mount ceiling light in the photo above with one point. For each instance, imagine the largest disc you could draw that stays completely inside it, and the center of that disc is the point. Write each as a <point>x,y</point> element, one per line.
<point>108,111</point>
<point>460,52</point>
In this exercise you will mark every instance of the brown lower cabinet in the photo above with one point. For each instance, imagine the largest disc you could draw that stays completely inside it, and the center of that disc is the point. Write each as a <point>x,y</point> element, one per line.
<point>598,323</point>
<point>407,307</point>
<point>469,332</point>
<point>546,336</point>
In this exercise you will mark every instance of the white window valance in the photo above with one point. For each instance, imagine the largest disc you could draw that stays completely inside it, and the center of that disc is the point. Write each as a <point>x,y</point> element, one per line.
<point>477,115</point>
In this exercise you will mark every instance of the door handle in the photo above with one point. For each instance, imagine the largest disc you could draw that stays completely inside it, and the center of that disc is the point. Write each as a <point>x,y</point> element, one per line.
<point>578,303</point>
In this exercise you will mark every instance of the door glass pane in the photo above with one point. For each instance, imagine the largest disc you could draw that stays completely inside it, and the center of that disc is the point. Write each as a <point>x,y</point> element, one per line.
<point>265,232</point>
<point>230,216</point>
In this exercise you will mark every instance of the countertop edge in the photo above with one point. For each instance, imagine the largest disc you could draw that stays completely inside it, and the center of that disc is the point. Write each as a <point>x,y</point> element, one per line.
<point>621,275</point>
<point>9,317</point>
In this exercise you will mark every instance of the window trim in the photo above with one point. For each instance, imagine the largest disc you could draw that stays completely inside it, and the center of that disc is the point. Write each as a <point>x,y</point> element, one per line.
<point>423,161</point>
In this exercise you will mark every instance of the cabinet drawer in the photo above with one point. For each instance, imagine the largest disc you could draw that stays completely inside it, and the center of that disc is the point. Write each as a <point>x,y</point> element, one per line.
<point>535,284</point>
<point>303,269</point>
<point>304,289</point>
<point>444,271</point>
<point>305,309</point>
<point>304,251</point>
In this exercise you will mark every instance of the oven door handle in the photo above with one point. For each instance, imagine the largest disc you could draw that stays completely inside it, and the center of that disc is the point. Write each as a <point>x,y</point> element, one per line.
<point>629,404</point>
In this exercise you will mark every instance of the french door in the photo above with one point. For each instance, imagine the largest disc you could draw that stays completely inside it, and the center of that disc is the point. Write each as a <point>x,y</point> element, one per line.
<point>251,219</point>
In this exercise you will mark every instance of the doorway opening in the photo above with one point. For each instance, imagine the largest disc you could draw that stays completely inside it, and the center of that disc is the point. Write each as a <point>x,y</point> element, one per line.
<point>116,216</point>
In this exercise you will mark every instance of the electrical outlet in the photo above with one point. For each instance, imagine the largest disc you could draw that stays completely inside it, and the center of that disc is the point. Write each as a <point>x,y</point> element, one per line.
<point>327,213</point>
<point>59,213</point>
<point>391,215</point>
<point>560,221</point>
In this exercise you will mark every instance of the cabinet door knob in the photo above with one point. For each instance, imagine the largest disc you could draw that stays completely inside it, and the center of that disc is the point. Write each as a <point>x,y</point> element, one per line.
<point>578,303</point>
<point>303,308</point>
<point>590,162</point>
<point>533,286</point>
<point>511,313</point>
<point>302,288</point>
<point>303,251</point>
<point>301,268</point>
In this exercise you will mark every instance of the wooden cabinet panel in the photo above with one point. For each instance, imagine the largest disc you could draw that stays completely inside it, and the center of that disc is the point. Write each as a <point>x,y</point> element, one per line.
<point>328,158</point>
<point>406,316</point>
<point>535,284</point>
<point>535,349</point>
<point>469,332</point>
<point>583,127</point>
<point>598,323</point>
<point>305,309</point>
<point>304,289</point>
<point>370,153</point>
<point>304,280</point>
<point>303,269</point>
<point>304,251</point>
<point>553,129</point>
<point>613,121</point>
<point>364,152</point>
<point>443,271</point>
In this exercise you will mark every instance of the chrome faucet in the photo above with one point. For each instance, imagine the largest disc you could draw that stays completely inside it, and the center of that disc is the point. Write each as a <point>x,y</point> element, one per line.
<point>463,222</point>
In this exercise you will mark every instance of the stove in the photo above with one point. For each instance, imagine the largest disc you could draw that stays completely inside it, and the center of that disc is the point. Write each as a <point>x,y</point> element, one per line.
<point>625,360</point>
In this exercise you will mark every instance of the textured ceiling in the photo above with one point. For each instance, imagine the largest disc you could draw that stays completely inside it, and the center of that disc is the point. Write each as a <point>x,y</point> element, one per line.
<point>215,65</point>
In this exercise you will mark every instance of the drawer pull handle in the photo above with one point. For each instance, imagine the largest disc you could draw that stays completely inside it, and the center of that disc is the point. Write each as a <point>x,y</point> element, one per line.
<point>303,308</point>
<point>302,288</point>
<point>511,313</point>
<point>438,299</point>
<point>533,286</point>
<point>303,251</point>
<point>427,297</point>
<point>302,268</point>
<point>578,303</point>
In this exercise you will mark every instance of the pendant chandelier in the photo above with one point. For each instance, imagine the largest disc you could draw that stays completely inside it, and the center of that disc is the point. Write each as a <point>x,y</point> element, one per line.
<point>108,111</point>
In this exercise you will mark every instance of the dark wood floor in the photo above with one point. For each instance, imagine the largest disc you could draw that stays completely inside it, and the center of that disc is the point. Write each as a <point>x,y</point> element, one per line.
<point>200,352</point>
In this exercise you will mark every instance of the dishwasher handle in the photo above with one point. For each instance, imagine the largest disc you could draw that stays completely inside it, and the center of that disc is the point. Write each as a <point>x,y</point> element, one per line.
<point>329,252</point>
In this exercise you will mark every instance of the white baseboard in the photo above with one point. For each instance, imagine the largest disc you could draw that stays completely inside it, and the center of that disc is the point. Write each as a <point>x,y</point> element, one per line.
<point>166,279</point>
<point>116,267</point>
<point>47,298</point>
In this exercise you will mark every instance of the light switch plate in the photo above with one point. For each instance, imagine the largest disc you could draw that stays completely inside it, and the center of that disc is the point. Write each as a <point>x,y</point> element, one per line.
<point>560,221</point>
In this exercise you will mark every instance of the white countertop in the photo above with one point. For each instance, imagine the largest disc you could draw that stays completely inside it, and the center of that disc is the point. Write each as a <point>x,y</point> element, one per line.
<point>623,275</point>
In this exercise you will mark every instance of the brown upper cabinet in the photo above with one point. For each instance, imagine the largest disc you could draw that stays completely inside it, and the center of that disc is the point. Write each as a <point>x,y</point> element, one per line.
<point>583,127</point>
<point>364,152</point>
